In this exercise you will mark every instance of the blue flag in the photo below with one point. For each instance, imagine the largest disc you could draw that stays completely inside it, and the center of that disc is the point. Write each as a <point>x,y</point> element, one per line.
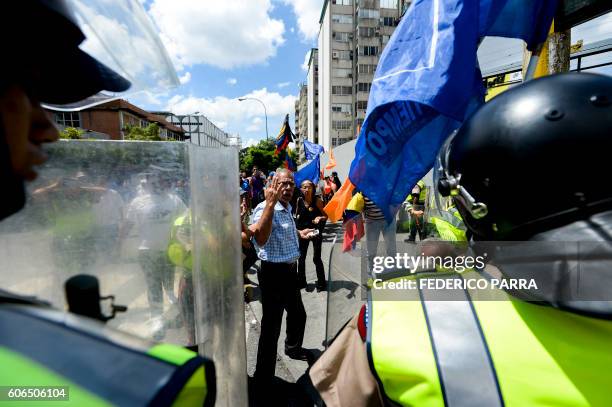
<point>312,150</point>
<point>311,171</point>
<point>426,83</point>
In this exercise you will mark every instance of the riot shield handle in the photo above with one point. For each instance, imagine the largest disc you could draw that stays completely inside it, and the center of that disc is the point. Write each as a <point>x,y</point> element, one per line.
<point>83,297</point>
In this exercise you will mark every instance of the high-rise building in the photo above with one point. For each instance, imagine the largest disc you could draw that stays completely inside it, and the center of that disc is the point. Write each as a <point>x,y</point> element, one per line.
<point>301,121</point>
<point>312,103</point>
<point>352,36</point>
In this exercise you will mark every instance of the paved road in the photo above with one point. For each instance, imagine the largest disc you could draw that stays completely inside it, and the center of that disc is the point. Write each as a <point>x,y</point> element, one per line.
<point>314,303</point>
<point>345,292</point>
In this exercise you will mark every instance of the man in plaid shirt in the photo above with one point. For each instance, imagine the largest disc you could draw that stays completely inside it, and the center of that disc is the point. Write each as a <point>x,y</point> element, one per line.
<point>276,241</point>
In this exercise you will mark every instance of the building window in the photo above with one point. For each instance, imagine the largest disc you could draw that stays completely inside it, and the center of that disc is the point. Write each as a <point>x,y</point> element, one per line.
<point>388,21</point>
<point>367,68</point>
<point>385,39</point>
<point>342,73</point>
<point>342,19</point>
<point>68,119</point>
<point>361,105</point>
<point>341,124</point>
<point>368,13</point>
<point>341,108</point>
<point>363,87</point>
<point>388,4</point>
<point>341,37</point>
<point>342,2</point>
<point>366,31</point>
<point>341,90</point>
<point>343,55</point>
<point>368,50</point>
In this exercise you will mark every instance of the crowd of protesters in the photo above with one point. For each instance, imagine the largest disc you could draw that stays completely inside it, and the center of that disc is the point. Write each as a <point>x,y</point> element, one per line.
<point>306,207</point>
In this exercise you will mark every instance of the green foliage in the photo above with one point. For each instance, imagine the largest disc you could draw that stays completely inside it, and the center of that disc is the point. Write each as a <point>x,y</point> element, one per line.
<point>149,133</point>
<point>262,156</point>
<point>71,133</point>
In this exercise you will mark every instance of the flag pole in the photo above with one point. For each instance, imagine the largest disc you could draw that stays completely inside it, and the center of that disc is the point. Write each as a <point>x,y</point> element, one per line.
<point>534,58</point>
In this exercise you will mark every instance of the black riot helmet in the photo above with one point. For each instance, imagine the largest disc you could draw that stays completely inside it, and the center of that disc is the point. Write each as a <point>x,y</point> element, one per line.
<point>46,34</point>
<point>43,58</point>
<point>534,158</point>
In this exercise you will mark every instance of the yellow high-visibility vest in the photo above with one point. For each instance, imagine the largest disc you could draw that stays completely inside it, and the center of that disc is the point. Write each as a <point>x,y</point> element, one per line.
<point>487,353</point>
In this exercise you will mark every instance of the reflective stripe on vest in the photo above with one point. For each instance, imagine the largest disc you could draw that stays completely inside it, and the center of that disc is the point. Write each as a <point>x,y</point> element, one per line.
<point>541,356</point>
<point>447,231</point>
<point>101,365</point>
<point>465,370</point>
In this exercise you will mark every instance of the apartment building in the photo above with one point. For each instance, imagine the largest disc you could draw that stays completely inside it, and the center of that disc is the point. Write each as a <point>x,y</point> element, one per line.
<point>352,36</point>
<point>312,107</point>
<point>301,121</point>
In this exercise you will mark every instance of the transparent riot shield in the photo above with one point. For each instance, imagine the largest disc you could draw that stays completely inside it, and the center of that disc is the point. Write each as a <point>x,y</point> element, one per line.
<point>158,224</point>
<point>345,290</point>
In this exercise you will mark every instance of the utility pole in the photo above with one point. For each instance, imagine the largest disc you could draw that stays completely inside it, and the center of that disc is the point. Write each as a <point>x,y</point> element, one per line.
<point>555,54</point>
<point>559,44</point>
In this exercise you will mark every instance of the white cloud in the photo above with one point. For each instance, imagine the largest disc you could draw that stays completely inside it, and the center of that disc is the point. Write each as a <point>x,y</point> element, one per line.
<point>148,98</point>
<point>225,34</point>
<point>307,13</point>
<point>232,81</point>
<point>185,78</point>
<point>250,142</point>
<point>234,116</point>
<point>255,125</point>
<point>283,84</point>
<point>306,61</point>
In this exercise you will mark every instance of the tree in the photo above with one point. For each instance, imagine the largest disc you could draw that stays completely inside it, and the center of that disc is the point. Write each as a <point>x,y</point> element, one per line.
<point>71,133</point>
<point>149,133</point>
<point>262,156</point>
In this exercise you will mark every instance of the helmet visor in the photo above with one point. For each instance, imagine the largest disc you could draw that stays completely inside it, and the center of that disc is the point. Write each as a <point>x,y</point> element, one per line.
<point>120,35</point>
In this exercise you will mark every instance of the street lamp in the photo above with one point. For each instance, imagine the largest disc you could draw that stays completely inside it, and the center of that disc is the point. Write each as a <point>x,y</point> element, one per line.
<point>265,112</point>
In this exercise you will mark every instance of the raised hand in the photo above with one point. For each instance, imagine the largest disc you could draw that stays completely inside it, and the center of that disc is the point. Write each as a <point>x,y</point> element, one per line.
<point>273,192</point>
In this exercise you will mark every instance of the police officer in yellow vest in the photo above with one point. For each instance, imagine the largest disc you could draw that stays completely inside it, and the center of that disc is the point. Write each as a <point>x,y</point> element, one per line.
<point>180,254</point>
<point>533,346</point>
<point>79,359</point>
<point>417,200</point>
<point>446,224</point>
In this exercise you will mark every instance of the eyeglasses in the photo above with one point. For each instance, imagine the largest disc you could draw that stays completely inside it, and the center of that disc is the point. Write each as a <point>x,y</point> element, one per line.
<point>287,184</point>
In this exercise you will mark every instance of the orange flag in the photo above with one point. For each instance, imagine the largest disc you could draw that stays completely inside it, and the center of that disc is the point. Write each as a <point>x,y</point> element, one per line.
<point>332,161</point>
<point>340,201</point>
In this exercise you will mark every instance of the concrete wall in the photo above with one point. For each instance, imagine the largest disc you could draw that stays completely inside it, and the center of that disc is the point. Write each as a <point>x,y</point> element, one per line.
<point>344,155</point>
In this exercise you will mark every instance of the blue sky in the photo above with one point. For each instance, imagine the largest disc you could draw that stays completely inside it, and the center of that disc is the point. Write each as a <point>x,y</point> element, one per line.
<point>226,49</point>
<point>223,50</point>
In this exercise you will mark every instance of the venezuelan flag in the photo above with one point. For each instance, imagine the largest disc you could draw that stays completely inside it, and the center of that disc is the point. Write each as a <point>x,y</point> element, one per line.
<point>284,137</point>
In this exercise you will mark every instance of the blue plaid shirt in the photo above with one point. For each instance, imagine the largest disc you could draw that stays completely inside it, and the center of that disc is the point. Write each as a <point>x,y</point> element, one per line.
<point>282,245</point>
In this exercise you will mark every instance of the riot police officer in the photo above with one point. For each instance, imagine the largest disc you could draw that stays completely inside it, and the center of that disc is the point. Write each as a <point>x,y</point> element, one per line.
<point>549,139</point>
<point>87,363</point>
